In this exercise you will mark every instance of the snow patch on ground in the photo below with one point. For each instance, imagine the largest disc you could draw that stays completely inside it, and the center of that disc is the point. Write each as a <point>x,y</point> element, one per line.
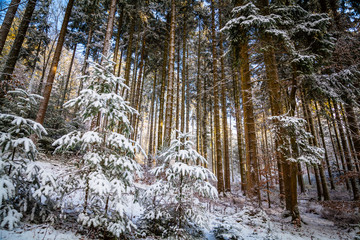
<point>229,217</point>
<point>38,232</point>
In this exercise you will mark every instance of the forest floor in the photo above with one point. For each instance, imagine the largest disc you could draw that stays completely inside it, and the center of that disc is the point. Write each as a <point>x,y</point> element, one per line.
<point>231,217</point>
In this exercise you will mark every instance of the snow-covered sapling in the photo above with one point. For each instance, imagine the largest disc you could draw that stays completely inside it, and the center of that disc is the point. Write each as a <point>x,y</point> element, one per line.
<point>173,202</point>
<point>25,188</point>
<point>108,167</point>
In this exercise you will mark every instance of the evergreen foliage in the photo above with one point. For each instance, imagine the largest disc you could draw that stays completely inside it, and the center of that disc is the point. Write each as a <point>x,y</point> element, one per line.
<point>173,202</point>
<point>108,166</point>
<point>26,189</point>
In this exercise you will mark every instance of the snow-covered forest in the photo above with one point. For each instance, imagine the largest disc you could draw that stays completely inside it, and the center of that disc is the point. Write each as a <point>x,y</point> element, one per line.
<point>179,119</point>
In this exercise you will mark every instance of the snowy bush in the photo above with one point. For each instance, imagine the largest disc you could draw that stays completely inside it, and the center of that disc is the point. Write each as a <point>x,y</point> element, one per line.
<point>173,204</point>
<point>108,166</point>
<point>293,127</point>
<point>25,188</point>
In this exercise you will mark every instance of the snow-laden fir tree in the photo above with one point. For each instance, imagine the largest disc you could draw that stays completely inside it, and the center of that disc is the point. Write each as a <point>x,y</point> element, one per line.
<point>173,203</point>
<point>25,188</point>
<point>108,167</point>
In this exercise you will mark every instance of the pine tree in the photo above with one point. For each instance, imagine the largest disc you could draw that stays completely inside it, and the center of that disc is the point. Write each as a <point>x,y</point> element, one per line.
<point>108,167</point>
<point>26,189</point>
<point>172,201</point>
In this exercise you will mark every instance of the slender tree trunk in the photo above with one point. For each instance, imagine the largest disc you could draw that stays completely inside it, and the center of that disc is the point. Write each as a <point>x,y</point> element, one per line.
<point>198,96</point>
<point>87,53</point>
<point>204,122</point>
<point>183,79</point>
<point>151,117</point>
<point>169,104</point>
<point>332,185</point>
<point>46,63</point>
<point>140,109</point>
<point>347,154</point>
<point>117,43</point>
<point>162,93</point>
<point>13,55</point>
<point>353,132</point>
<point>224,112</point>
<point>109,28</point>
<point>138,91</point>
<point>68,77</point>
<point>129,53</point>
<point>339,144</point>
<point>325,190</point>
<point>31,84</point>
<point>6,25</point>
<point>335,150</point>
<point>134,75</point>
<point>187,102</point>
<point>219,163</point>
<point>177,118</point>
<point>242,164</point>
<point>50,80</point>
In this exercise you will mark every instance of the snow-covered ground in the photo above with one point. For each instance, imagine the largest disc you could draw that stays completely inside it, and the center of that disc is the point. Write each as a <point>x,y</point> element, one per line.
<point>229,218</point>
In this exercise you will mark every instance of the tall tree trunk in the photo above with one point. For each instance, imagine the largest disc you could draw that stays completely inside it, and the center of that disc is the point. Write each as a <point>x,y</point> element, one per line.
<point>151,116</point>
<point>45,65</point>
<point>117,43</point>
<point>109,28</point>
<point>223,109</point>
<point>252,188</point>
<point>6,25</point>
<point>183,79</point>
<point>198,96</point>
<point>87,53</point>
<point>204,122</point>
<point>325,190</point>
<point>68,77</point>
<point>219,163</point>
<point>138,94</point>
<point>169,104</point>
<point>162,92</point>
<point>332,185</point>
<point>177,115</point>
<point>15,49</point>
<point>137,120</point>
<point>187,102</point>
<point>339,145</point>
<point>347,154</point>
<point>353,133</point>
<point>50,80</point>
<point>242,163</point>
<point>31,84</point>
<point>129,53</point>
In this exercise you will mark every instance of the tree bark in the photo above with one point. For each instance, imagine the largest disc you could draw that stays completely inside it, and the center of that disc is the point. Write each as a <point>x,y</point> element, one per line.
<point>15,49</point>
<point>129,53</point>
<point>183,80</point>
<point>151,116</point>
<point>219,163</point>
<point>332,185</point>
<point>117,43</point>
<point>169,104</point>
<point>68,77</point>
<point>162,92</point>
<point>198,97</point>
<point>6,25</point>
<point>223,109</point>
<point>109,28</point>
<point>50,80</point>
<point>242,164</point>
<point>349,166</point>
